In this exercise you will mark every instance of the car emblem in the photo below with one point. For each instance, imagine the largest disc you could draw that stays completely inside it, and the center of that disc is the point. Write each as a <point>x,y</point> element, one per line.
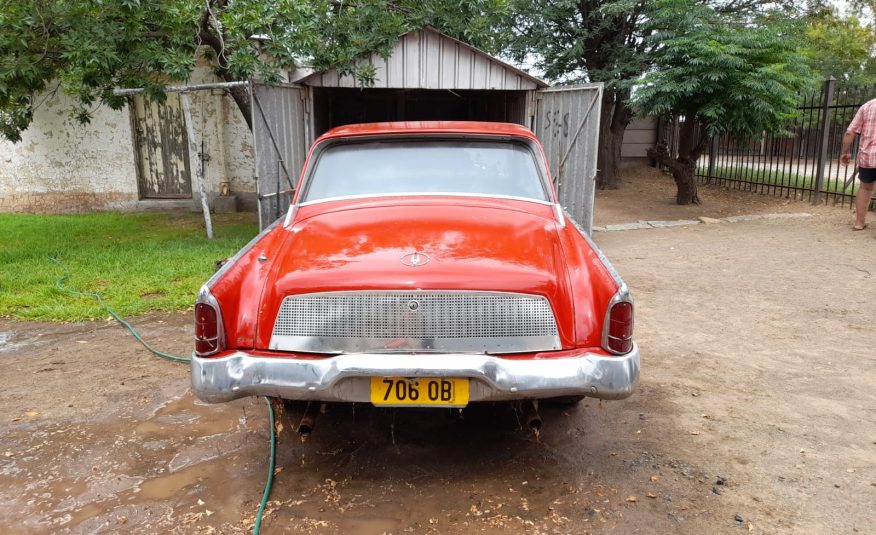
<point>415,259</point>
<point>413,305</point>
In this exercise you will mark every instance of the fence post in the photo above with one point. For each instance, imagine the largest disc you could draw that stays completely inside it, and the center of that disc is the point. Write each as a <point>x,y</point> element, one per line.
<point>829,87</point>
<point>713,151</point>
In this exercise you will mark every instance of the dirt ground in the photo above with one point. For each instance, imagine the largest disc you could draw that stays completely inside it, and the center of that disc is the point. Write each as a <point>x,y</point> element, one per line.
<point>756,411</point>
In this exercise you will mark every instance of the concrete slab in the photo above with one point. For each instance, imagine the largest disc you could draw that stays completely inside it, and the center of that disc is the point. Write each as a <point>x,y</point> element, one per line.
<point>677,223</point>
<point>626,226</point>
<point>225,204</point>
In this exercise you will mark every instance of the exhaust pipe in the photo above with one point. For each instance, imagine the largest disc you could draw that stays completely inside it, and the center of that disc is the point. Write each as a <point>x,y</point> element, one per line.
<point>531,415</point>
<point>305,426</point>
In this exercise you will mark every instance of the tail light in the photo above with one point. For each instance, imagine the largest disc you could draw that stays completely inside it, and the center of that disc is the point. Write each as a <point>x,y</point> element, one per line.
<point>617,334</point>
<point>208,325</point>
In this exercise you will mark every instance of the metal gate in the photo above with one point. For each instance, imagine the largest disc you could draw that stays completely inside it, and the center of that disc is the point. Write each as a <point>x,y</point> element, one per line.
<point>162,151</point>
<point>567,124</point>
<point>281,140</point>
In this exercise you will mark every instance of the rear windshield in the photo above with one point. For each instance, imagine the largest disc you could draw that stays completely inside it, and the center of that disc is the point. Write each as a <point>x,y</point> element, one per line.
<point>425,167</point>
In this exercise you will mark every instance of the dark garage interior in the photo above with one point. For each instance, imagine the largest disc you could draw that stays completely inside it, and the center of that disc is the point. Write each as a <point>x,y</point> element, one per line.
<point>334,106</point>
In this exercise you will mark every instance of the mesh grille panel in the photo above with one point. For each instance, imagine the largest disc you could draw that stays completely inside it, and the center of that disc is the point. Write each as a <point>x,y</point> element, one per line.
<point>432,316</point>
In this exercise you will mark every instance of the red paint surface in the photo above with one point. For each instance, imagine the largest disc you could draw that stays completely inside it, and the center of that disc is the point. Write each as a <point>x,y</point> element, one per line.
<point>473,243</point>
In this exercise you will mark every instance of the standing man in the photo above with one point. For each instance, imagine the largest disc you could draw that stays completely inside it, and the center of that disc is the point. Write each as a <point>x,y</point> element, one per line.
<point>864,124</point>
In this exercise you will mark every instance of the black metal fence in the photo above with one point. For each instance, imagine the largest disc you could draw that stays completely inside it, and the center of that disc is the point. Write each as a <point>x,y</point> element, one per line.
<point>804,164</point>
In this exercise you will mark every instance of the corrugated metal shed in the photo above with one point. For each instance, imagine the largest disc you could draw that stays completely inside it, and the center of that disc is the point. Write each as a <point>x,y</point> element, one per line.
<point>567,124</point>
<point>429,59</point>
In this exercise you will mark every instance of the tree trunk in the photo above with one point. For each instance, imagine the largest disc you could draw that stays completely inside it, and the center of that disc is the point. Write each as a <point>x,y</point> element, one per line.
<point>692,141</point>
<point>242,99</point>
<point>683,173</point>
<point>614,118</point>
<point>239,94</point>
<point>686,185</point>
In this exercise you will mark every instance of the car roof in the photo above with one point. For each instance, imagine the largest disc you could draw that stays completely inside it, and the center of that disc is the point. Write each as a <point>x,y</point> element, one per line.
<point>429,127</point>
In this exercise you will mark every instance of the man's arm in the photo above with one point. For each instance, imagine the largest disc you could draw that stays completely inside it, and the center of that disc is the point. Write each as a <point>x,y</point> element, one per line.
<point>846,154</point>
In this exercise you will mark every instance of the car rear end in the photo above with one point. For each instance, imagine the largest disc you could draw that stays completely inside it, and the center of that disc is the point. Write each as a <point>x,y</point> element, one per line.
<point>418,300</point>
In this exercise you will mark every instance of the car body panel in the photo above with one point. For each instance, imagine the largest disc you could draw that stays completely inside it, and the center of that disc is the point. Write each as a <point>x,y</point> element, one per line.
<point>472,243</point>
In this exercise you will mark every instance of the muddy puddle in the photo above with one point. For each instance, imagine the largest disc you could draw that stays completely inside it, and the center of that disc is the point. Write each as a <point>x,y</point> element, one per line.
<point>189,467</point>
<point>94,477</point>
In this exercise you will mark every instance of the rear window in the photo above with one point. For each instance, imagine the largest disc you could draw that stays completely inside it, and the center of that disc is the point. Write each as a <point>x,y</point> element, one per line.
<point>428,167</point>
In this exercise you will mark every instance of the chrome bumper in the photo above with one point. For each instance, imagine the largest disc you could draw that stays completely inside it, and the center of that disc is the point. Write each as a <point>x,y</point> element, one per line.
<point>347,377</point>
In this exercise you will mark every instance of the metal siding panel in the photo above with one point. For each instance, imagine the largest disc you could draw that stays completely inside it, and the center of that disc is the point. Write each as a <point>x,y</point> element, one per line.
<point>330,78</point>
<point>346,80</point>
<point>433,57</point>
<point>559,113</point>
<point>480,72</point>
<point>411,60</point>
<point>450,55</point>
<point>464,69</point>
<point>381,71</point>
<point>497,76</point>
<point>640,136</point>
<point>511,81</point>
<point>284,111</point>
<point>424,59</point>
<point>635,150</point>
<point>643,123</point>
<point>396,66</point>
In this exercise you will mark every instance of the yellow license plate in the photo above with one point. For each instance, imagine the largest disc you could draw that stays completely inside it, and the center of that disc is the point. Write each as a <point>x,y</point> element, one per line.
<point>419,392</point>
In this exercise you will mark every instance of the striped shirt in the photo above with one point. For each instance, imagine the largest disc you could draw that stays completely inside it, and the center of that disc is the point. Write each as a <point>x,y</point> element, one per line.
<point>864,124</point>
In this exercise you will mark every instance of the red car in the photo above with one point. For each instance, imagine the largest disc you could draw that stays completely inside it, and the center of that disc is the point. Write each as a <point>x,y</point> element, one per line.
<point>420,264</point>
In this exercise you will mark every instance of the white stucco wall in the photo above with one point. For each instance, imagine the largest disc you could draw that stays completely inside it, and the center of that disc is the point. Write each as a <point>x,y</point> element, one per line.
<point>62,166</point>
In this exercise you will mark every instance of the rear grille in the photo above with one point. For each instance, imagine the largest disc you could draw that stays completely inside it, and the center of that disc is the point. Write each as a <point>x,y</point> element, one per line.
<point>352,322</point>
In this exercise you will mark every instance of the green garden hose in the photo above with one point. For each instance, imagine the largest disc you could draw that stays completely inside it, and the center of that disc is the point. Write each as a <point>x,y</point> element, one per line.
<point>258,522</point>
<point>59,284</point>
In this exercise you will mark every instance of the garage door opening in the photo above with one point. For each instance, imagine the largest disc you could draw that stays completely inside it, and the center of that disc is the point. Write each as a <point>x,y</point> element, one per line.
<point>337,106</point>
<point>427,76</point>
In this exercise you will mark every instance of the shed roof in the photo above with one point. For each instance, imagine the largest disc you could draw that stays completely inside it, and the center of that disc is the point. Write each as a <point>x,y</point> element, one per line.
<point>428,59</point>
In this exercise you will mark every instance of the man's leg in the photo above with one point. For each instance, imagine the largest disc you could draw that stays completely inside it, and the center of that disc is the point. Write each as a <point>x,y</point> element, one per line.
<point>862,203</point>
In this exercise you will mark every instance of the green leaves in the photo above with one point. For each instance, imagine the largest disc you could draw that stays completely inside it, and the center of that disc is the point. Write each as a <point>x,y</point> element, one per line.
<point>842,47</point>
<point>736,75</point>
<point>90,47</point>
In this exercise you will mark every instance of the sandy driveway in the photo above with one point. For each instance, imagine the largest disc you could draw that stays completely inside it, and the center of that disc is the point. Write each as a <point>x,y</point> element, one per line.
<point>756,412</point>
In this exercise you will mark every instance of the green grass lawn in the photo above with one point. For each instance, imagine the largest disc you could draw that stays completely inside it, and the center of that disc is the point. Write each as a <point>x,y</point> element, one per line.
<point>776,177</point>
<point>138,262</point>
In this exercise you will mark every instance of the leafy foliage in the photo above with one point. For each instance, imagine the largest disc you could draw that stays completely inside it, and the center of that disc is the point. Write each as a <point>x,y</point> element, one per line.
<point>841,47</point>
<point>583,41</point>
<point>86,48</point>
<point>732,75</point>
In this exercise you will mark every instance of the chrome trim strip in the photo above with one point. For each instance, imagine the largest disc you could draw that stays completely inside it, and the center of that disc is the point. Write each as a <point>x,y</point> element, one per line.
<point>558,213</point>
<point>245,249</point>
<point>290,215</point>
<point>333,327</point>
<point>421,291</point>
<point>345,378</point>
<point>425,194</point>
<point>350,345</point>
